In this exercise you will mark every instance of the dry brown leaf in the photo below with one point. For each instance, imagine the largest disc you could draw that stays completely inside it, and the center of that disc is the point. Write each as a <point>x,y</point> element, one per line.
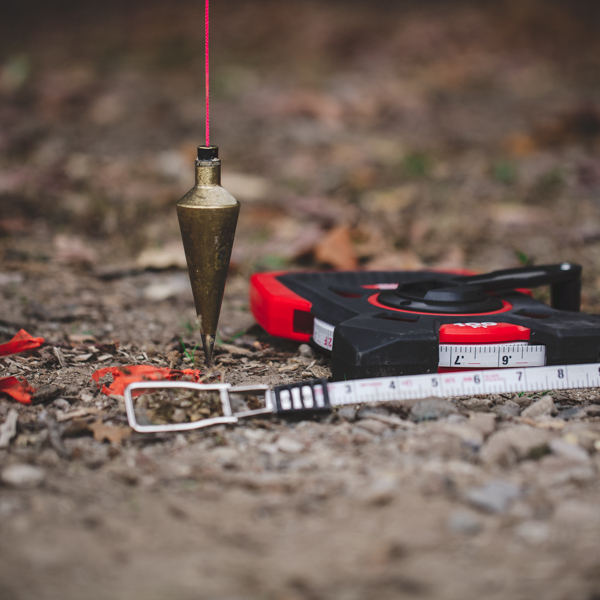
<point>114,434</point>
<point>336,249</point>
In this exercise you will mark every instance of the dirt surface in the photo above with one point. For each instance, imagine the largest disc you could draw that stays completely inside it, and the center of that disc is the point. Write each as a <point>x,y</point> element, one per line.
<point>356,135</point>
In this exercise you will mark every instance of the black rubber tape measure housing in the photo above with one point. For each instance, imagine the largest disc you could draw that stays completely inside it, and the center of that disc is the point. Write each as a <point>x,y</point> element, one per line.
<point>390,332</point>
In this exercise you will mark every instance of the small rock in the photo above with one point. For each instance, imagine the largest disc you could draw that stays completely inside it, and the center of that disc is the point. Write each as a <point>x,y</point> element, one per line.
<point>468,435</point>
<point>8,429</point>
<point>86,396</point>
<point>494,497</point>
<point>508,409</point>
<point>381,491</point>
<point>573,413</point>
<point>533,532</point>
<point>592,411</point>
<point>431,409</point>
<point>366,412</point>
<point>306,351</point>
<point>483,422</point>
<point>289,445</point>
<point>46,393</point>
<point>22,476</point>
<point>561,447</point>
<point>347,413</point>
<point>477,404</point>
<point>464,521</point>
<point>227,457</point>
<point>373,426</point>
<point>558,470</point>
<point>544,407</point>
<point>361,436</point>
<point>61,403</point>
<point>508,446</point>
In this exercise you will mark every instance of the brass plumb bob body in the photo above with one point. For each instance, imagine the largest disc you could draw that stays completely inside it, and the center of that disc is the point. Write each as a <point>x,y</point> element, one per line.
<point>208,217</point>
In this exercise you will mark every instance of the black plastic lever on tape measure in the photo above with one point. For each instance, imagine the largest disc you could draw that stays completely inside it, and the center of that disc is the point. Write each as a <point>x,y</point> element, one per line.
<point>393,323</point>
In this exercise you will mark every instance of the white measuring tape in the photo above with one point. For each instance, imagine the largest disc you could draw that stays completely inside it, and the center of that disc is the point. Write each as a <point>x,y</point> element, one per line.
<point>320,395</point>
<point>473,356</point>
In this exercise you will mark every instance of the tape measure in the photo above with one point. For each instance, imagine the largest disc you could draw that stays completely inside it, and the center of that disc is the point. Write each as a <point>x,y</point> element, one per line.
<point>394,323</point>
<point>319,395</point>
<point>463,356</point>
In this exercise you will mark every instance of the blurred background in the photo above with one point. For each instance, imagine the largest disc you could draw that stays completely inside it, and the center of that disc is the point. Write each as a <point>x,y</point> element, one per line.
<point>375,135</point>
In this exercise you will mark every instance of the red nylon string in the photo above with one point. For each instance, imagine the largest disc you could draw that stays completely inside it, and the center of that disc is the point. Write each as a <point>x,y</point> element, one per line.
<point>206,71</point>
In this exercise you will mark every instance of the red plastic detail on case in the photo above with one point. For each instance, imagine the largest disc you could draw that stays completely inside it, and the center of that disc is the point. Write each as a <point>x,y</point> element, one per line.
<point>484,332</point>
<point>506,306</point>
<point>274,306</point>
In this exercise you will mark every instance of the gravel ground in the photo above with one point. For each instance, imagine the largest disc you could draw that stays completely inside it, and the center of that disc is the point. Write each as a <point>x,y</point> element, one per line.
<point>382,136</point>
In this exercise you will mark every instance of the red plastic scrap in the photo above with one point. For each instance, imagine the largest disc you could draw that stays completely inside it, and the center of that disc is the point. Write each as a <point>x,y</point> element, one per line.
<point>18,390</point>
<point>21,342</point>
<point>123,376</point>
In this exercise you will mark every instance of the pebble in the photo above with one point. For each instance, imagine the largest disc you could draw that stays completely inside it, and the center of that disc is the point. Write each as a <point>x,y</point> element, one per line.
<point>22,476</point>
<point>483,422</point>
<point>381,491</point>
<point>306,351</point>
<point>464,521</point>
<point>508,446</point>
<point>544,407</point>
<point>508,409</point>
<point>289,445</point>
<point>556,470</point>
<point>592,411</point>
<point>373,426</point>
<point>564,448</point>
<point>431,409</point>
<point>61,403</point>
<point>8,429</point>
<point>348,413</point>
<point>468,435</point>
<point>494,497</point>
<point>477,404</point>
<point>366,412</point>
<point>227,457</point>
<point>575,412</point>
<point>533,532</point>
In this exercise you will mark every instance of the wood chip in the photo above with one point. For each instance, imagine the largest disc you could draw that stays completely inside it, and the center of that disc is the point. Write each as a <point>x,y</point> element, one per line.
<point>235,349</point>
<point>104,357</point>
<point>82,357</point>
<point>59,356</point>
<point>75,414</point>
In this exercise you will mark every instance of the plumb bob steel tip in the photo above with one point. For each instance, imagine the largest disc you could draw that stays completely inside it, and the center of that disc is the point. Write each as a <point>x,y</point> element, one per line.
<point>208,217</point>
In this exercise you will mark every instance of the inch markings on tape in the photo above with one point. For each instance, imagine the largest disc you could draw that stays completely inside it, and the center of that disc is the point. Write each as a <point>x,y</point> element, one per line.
<point>469,356</point>
<point>496,381</point>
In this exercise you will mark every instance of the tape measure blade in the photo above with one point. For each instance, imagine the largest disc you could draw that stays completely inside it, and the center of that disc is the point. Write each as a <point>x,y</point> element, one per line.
<point>584,375</point>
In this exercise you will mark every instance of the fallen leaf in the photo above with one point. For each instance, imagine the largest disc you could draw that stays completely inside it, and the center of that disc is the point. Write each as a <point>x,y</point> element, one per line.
<point>169,256</point>
<point>112,433</point>
<point>336,249</point>
<point>73,250</point>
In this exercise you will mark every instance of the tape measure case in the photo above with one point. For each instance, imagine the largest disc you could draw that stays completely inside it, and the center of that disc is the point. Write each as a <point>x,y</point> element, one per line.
<point>391,323</point>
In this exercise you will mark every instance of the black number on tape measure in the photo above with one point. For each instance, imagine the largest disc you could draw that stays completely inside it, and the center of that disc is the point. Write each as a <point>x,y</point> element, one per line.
<point>348,389</point>
<point>477,379</point>
<point>458,359</point>
<point>520,374</point>
<point>393,385</point>
<point>505,359</point>
<point>434,382</point>
<point>561,374</point>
